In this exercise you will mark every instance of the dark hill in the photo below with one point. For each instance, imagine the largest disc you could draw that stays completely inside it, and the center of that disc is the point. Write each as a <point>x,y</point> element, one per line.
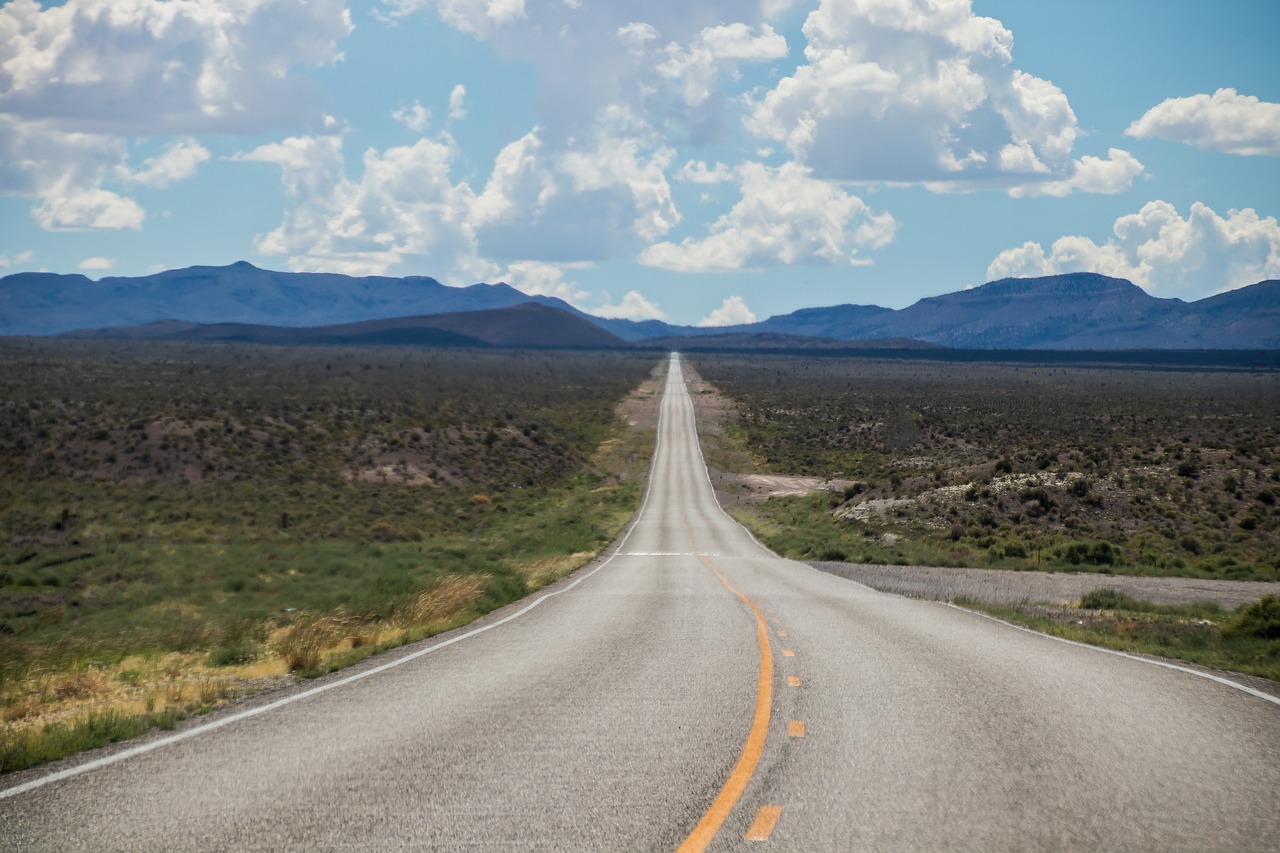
<point>526,325</point>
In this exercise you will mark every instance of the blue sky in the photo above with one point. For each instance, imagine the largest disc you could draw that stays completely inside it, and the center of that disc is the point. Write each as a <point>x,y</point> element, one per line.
<point>706,161</point>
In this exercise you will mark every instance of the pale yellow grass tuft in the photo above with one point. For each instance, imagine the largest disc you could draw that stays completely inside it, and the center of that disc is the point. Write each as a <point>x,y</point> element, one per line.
<point>453,595</point>
<point>539,573</point>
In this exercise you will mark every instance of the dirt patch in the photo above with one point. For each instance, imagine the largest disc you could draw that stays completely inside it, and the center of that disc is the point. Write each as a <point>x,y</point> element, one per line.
<point>995,586</point>
<point>759,487</point>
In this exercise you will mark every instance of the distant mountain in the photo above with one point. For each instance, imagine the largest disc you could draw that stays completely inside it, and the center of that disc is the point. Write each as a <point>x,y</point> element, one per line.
<point>1071,312</point>
<point>48,304</point>
<point>526,325</point>
<point>739,341</point>
<point>1074,312</point>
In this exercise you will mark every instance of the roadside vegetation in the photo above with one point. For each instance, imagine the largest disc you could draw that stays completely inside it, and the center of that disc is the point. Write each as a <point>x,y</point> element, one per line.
<point>1246,640</point>
<point>1141,472</point>
<point>181,525</point>
<point>1124,471</point>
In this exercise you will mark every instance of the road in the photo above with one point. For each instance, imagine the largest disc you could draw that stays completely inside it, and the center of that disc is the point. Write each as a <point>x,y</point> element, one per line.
<point>692,692</point>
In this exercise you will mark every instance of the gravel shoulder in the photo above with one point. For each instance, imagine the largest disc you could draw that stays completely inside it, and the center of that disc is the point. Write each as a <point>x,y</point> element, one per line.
<point>996,586</point>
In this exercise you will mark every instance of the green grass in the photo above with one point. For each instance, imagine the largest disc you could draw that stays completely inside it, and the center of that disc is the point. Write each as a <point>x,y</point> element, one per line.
<point>235,504</point>
<point>1028,467</point>
<point>26,748</point>
<point>1246,641</point>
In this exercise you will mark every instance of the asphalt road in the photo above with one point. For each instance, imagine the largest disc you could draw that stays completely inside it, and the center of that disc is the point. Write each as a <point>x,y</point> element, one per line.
<point>694,689</point>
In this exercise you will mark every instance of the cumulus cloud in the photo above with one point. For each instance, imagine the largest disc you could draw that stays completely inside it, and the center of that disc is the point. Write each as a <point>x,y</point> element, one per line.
<point>1163,252</point>
<point>69,209</point>
<point>458,103</point>
<point>634,306</point>
<point>924,91</point>
<point>732,312</point>
<point>154,67</point>
<point>592,179</point>
<point>715,51</point>
<point>600,197</point>
<point>177,162</point>
<point>785,216</point>
<point>97,263</point>
<point>415,118</point>
<point>78,78</point>
<point>404,205</point>
<point>1224,121</point>
<point>538,279</point>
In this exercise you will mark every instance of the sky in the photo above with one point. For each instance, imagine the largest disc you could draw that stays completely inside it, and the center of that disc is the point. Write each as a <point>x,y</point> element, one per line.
<point>702,162</point>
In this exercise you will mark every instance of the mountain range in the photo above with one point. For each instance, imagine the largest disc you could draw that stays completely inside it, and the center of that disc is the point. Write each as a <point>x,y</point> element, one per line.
<point>1078,311</point>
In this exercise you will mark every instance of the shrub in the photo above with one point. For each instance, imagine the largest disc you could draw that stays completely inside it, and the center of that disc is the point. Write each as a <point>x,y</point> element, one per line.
<point>1110,599</point>
<point>233,654</point>
<point>1260,619</point>
<point>1095,554</point>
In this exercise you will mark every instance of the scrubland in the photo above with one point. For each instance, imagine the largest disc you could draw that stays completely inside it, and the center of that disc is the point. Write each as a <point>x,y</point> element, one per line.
<point>1104,470</point>
<point>184,524</point>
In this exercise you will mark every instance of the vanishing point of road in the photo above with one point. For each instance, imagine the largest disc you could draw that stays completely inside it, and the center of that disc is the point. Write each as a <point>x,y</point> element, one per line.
<point>694,691</point>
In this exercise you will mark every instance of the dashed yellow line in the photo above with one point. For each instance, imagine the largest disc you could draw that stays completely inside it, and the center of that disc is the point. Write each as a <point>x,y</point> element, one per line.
<point>762,827</point>
<point>796,728</point>
<point>788,653</point>
<point>793,680</point>
<point>728,797</point>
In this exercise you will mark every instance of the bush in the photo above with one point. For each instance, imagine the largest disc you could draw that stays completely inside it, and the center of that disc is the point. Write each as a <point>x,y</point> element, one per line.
<point>1110,599</point>
<point>233,654</point>
<point>833,555</point>
<point>1260,619</point>
<point>1095,554</point>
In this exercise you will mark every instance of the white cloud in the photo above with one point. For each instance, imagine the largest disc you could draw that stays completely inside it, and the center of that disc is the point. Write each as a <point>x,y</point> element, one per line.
<point>177,162</point>
<point>601,197</point>
<point>539,279</point>
<point>634,306</point>
<point>1163,252</point>
<point>732,312</point>
<point>785,217</point>
<point>155,67</point>
<point>97,263</point>
<point>7,261</point>
<point>1091,175</point>
<point>1224,121</point>
<point>77,78</point>
<point>698,172</point>
<point>458,103</point>
<point>99,209</point>
<point>403,206</point>
<point>923,91</point>
<point>478,17</point>
<point>415,118</point>
<point>591,179</point>
<point>636,35</point>
<point>715,51</point>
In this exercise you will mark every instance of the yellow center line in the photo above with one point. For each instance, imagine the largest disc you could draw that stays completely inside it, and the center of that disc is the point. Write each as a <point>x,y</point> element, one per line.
<point>754,746</point>
<point>762,826</point>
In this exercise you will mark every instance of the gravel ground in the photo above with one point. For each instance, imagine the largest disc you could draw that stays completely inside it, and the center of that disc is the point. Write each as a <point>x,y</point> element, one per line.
<point>995,586</point>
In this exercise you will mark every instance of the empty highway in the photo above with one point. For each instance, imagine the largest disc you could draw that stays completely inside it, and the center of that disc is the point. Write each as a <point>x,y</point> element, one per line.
<point>693,691</point>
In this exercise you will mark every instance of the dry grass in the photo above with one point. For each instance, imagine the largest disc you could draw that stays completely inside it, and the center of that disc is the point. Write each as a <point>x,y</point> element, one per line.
<point>540,573</point>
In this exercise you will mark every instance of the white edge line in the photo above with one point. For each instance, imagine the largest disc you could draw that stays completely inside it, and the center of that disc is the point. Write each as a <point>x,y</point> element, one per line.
<point>141,749</point>
<point>1165,664</point>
